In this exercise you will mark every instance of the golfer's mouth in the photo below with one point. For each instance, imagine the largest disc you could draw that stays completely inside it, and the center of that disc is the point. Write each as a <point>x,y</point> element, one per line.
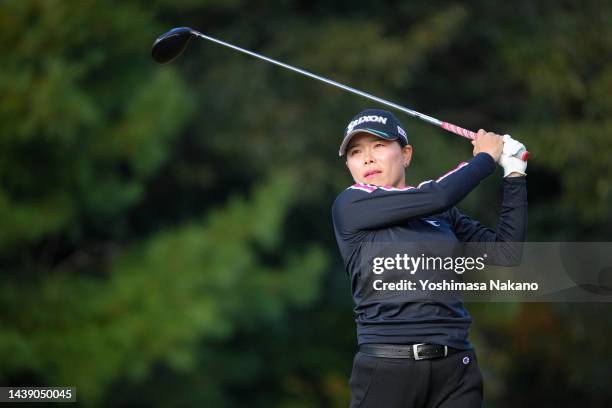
<point>371,173</point>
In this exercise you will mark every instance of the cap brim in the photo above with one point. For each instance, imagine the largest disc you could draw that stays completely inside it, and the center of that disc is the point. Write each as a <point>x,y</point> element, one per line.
<point>352,133</point>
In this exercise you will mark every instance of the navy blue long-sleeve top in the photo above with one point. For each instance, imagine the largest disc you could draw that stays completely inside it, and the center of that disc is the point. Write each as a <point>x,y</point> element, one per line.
<point>364,213</point>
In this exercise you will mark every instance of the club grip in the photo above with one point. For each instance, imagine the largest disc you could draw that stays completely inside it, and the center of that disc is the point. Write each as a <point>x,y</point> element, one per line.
<point>468,134</point>
<point>522,154</point>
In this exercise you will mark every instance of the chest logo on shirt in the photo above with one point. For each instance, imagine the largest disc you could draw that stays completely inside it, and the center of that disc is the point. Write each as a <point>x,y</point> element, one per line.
<point>433,222</point>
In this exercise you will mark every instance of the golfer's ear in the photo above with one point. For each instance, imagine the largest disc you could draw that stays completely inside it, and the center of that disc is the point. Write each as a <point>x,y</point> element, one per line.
<point>407,153</point>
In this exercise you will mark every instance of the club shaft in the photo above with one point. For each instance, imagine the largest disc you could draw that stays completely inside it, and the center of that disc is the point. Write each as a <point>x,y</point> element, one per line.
<point>468,134</point>
<point>411,112</point>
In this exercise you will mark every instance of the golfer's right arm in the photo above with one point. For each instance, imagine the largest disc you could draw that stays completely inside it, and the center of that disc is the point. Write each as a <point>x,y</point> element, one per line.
<point>365,207</point>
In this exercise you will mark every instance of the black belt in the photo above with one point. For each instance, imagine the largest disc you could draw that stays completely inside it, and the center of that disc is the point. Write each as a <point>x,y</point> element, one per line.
<point>418,351</point>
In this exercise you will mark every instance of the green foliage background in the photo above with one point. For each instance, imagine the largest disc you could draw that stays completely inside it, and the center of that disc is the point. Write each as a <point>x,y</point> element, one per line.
<point>165,231</point>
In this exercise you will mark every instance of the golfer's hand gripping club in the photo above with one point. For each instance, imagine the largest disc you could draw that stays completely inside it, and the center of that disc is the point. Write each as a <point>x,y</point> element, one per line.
<point>488,142</point>
<point>508,160</point>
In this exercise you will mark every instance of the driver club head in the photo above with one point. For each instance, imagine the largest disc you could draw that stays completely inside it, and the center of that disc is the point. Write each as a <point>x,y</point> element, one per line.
<point>170,45</point>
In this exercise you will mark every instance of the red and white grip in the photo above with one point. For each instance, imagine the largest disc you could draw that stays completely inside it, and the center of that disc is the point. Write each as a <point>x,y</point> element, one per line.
<point>522,154</point>
<point>458,130</point>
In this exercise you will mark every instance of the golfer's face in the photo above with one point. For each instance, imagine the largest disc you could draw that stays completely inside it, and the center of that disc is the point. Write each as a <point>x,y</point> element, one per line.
<point>377,161</point>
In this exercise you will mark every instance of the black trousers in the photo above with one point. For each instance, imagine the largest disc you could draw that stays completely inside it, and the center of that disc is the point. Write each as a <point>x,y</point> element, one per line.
<point>449,382</point>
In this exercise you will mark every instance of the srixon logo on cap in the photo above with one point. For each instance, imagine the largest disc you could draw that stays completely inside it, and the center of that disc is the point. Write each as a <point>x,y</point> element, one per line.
<point>370,118</point>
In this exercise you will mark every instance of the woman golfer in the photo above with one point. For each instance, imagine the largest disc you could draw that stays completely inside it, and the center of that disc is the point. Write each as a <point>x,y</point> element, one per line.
<point>415,353</point>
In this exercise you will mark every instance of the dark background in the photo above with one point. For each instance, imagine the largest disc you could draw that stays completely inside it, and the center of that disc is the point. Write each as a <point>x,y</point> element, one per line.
<point>165,231</point>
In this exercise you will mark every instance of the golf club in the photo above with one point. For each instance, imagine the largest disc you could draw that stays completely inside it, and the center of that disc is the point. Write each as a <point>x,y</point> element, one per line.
<point>170,45</point>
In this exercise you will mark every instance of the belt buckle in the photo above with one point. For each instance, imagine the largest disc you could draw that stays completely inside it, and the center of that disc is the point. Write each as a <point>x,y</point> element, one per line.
<point>415,351</point>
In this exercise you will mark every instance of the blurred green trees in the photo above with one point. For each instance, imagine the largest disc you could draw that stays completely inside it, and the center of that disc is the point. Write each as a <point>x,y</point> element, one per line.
<point>200,282</point>
<point>165,231</point>
<point>83,129</point>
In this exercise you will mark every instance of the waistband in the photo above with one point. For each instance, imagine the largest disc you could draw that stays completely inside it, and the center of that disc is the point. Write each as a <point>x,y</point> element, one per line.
<point>418,351</point>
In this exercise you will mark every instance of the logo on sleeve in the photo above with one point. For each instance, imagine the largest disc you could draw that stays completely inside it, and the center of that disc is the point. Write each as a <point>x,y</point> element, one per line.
<point>433,222</point>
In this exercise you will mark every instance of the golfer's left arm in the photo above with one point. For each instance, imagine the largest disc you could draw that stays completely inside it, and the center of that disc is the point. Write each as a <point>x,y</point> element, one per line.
<point>512,222</point>
<point>503,243</point>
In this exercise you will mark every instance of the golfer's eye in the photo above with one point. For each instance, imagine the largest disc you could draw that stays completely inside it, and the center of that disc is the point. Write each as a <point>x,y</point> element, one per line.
<point>379,145</point>
<point>353,152</point>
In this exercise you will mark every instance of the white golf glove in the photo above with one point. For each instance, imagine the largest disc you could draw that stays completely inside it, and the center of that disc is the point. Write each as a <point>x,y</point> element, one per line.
<point>508,160</point>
